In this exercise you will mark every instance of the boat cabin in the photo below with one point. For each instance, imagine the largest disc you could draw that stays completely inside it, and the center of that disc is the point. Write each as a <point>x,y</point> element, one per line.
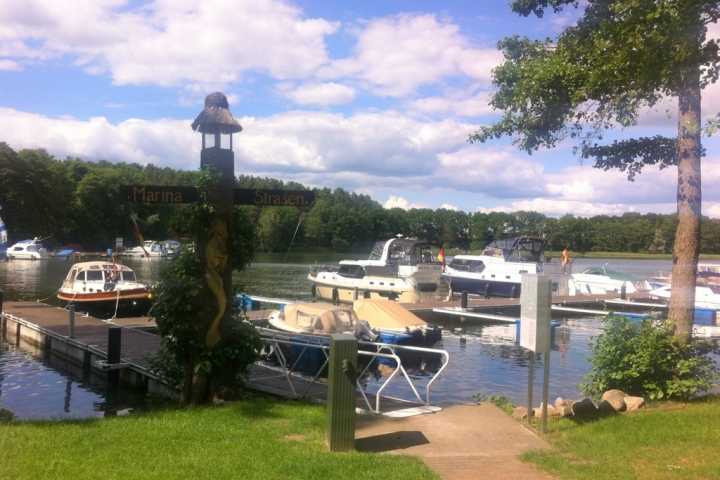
<point>522,249</point>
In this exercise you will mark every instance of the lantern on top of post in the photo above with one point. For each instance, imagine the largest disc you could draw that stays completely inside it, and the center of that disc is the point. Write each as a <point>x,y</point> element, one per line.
<point>214,122</point>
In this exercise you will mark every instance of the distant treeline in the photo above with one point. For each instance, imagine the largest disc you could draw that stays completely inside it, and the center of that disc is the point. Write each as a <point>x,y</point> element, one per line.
<point>77,201</point>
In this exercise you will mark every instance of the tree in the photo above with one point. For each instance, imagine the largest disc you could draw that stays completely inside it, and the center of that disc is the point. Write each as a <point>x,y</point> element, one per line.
<point>621,57</point>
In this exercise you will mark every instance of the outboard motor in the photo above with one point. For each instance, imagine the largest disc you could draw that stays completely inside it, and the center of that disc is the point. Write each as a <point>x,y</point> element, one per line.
<point>365,333</point>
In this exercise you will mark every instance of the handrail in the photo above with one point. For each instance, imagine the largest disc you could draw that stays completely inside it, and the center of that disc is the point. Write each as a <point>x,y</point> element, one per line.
<point>275,338</point>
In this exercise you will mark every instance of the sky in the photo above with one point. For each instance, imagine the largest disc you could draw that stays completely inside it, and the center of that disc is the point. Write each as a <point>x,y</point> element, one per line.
<point>376,97</point>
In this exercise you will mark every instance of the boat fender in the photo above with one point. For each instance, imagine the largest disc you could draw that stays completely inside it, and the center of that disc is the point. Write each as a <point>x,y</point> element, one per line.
<point>313,291</point>
<point>366,294</point>
<point>487,290</point>
<point>513,292</point>
<point>335,295</point>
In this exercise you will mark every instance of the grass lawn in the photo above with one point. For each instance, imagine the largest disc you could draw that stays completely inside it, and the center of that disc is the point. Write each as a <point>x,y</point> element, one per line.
<point>258,438</point>
<point>667,440</point>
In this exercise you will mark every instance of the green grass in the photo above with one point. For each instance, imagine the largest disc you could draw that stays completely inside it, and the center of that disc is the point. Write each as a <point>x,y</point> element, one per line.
<point>253,439</point>
<point>667,440</point>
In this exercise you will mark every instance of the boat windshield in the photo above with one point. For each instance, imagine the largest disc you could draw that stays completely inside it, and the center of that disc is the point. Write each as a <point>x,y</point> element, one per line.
<point>377,251</point>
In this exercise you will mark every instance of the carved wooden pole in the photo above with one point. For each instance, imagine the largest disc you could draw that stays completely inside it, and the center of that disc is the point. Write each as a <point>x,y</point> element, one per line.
<point>215,249</point>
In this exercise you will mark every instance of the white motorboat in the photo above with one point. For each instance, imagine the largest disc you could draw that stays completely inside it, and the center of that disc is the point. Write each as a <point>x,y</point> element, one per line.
<point>498,270</point>
<point>104,284</point>
<point>401,269</point>
<point>707,287</point>
<point>149,249</point>
<point>390,316</point>
<point>602,280</point>
<point>28,250</point>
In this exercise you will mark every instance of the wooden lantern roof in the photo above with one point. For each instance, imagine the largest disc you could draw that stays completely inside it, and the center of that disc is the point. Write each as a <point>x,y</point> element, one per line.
<point>216,117</point>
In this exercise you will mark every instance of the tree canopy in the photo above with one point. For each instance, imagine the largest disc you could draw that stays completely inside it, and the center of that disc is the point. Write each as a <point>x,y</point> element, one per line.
<point>620,58</point>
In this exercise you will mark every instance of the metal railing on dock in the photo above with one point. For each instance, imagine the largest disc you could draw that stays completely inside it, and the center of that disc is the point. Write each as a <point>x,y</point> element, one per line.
<point>317,348</point>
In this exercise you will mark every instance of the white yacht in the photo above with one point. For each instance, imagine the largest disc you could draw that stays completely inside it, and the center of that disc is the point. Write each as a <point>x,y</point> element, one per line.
<point>28,250</point>
<point>401,269</point>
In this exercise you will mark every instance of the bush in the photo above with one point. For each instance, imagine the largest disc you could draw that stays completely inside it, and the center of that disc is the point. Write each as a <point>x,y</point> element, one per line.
<point>644,358</point>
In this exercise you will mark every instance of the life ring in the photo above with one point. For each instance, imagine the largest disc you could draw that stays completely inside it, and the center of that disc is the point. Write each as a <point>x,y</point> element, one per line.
<point>335,296</point>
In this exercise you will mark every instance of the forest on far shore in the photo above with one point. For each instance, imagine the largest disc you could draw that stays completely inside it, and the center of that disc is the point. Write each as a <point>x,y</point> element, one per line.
<point>77,201</point>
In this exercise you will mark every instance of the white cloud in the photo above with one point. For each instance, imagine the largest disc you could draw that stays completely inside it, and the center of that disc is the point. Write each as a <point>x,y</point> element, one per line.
<point>167,42</point>
<point>448,206</point>
<point>399,202</point>
<point>321,94</point>
<point>396,55</point>
<point>454,103</point>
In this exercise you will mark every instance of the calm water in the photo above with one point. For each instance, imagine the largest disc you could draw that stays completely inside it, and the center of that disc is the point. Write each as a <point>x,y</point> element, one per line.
<point>484,358</point>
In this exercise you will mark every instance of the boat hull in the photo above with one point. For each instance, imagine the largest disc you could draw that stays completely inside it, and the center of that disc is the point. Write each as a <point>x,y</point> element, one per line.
<point>335,288</point>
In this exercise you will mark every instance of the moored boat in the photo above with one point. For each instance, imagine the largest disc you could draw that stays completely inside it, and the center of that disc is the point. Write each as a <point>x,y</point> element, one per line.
<point>498,270</point>
<point>28,250</point>
<point>389,316</point>
<point>602,280</point>
<point>105,285</point>
<point>401,269</point>
<point>149,249</point>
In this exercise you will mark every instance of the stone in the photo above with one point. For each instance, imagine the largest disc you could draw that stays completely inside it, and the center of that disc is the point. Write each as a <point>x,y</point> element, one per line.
<point>559,402</point>
<point>583,406</point>
<point>634,403</point>
<point>564,411</point>
<point>521,413</point>
<point>613,401</point>
<point>551,411</point>
<point>614,392</point>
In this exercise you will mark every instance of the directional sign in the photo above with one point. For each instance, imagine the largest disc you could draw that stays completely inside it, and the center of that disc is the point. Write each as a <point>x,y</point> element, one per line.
<point>242,196</point>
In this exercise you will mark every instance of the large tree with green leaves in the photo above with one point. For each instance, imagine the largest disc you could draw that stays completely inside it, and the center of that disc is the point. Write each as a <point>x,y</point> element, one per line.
<point>621,57</point>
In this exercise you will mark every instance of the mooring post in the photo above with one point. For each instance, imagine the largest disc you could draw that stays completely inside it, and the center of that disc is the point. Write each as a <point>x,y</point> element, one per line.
<point>112,378</point>
<point>341,403</point>
<point>1,301</point>
<point>623,292</point>
<point>72,321</point>
<point>463,300</point>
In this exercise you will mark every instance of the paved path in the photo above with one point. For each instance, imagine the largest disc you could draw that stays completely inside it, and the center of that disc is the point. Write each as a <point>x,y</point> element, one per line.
<point>459,442</point>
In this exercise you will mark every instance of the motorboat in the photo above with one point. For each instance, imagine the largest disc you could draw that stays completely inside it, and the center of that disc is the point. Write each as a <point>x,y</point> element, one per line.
<point>28,250</point>
<point>706,295</point>
<point>498,270</point>
<point>401,269</point>
<point>602,280</point>
<point>104,284</point>
<point>323,319</point>
<point>390,316</point>
<point>707,287</point>
<point>149,249</point>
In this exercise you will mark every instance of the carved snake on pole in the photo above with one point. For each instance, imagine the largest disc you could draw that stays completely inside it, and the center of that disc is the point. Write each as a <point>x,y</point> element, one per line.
<point>215,261</point>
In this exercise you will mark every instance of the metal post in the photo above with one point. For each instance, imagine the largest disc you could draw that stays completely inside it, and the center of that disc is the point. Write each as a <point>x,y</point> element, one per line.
<point>463,300</point>
<point>1,300</point>
<point>546,387</point>
<point>355,294</point>
<point>112,378</point>
<point>531,375</point>
<point>623,292</point>
<point>72,321</point>
<point>341,404</point>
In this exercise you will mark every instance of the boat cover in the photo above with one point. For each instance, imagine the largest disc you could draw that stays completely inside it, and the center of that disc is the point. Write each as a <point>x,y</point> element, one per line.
<point>319,317</point>
<point>385,314</point>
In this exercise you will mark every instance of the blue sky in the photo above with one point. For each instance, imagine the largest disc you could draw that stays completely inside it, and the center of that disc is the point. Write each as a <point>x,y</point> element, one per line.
<point>376,97</point>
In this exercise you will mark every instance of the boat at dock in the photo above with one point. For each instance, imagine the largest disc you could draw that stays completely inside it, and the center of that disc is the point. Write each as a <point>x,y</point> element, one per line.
<point>707,287</point>
<point>602,280</point>
<point>28,250</point>
<point>154,249</point>
<point>390,316</point>
<point>498,270</point>
<point>401,269</point>
<point>105,285</point>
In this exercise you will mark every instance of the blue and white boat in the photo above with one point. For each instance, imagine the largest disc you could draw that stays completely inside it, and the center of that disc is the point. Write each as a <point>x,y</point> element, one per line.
<point>498,270</point>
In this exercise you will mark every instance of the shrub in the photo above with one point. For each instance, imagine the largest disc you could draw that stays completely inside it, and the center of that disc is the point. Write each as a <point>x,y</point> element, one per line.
<point>644,358</point>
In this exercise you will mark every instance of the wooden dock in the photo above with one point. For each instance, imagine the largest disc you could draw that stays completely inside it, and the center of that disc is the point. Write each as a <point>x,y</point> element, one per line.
<point>47,328</point>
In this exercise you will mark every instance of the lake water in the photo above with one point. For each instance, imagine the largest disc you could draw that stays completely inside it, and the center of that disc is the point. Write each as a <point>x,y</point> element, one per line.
<point>484,357</point>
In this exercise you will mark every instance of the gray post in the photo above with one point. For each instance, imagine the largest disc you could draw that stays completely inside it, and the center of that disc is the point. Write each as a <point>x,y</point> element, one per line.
<point>72,321</point>
<point>531,378</point>
<point>463,300</point>
<point>112,378</point>
<point>623,292</point>
<point>546,387</point>
<point>342,381</point>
